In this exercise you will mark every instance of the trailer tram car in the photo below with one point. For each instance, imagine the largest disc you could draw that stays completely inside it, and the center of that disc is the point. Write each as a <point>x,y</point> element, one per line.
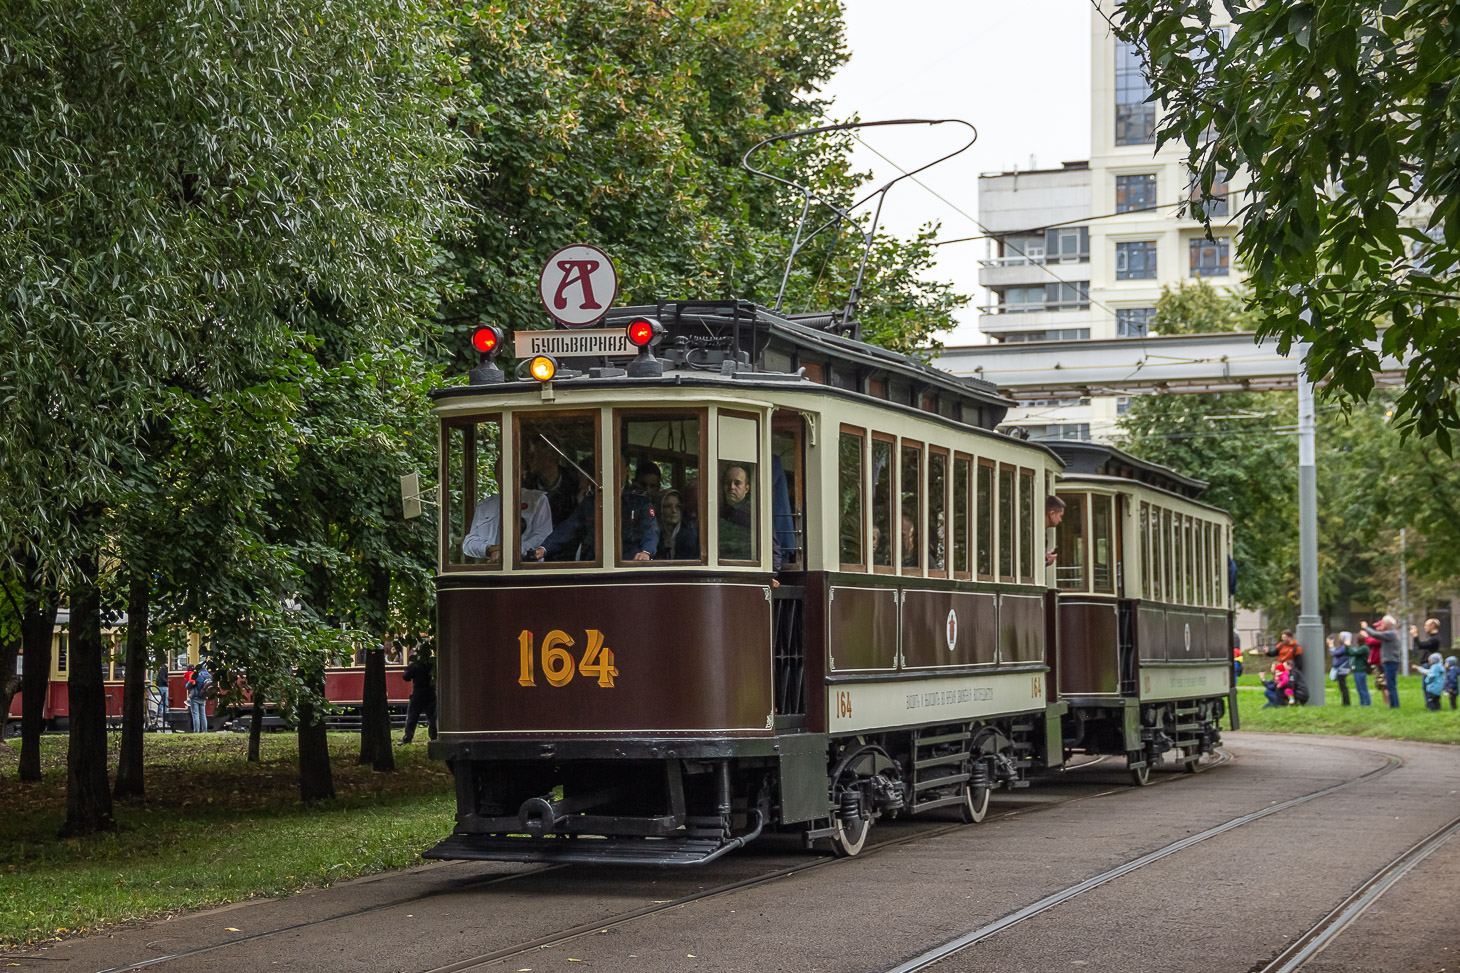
<point>598,707</point>
<point>1144,659</point>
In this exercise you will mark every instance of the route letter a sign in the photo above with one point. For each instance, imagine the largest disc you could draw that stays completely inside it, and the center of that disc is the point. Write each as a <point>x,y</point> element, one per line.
<point>578,285</point>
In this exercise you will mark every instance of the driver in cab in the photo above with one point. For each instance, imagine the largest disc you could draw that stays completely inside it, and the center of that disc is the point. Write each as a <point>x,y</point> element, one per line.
<point>574,538</point>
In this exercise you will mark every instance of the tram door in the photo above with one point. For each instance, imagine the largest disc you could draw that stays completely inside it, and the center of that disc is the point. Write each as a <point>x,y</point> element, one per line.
<point>789,523</point>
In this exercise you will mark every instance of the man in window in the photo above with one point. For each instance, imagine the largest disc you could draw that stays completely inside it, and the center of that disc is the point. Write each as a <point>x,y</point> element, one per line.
<point>485,539</point>
<point>737,514</point>
<point>1054,512</point>
<point>545,473</point>
<point>574,539</point>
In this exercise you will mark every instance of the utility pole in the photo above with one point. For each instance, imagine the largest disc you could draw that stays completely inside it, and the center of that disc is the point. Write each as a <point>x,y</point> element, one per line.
<point>1404,638</point>
<point>1310,626</point>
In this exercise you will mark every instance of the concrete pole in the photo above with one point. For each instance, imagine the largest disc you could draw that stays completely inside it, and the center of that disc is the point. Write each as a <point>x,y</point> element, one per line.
<point>1404,638</point>
<point>1310,626</point>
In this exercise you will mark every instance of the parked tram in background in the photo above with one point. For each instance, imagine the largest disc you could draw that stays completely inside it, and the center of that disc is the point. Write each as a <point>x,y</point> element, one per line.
<point>344,685</point>
<point>599,707</point>
<point>1145,610</point>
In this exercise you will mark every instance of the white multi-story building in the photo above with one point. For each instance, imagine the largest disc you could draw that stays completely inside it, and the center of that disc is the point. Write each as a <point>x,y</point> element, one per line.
<point>1083,251</point>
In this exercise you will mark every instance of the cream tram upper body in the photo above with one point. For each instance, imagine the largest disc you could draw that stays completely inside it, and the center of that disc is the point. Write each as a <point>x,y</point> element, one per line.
<point>914,532</point>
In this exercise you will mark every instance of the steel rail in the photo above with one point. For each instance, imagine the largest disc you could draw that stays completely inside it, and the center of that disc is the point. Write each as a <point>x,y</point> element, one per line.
<point>938,953</point>
<point>593,928</point>
<point>1222,757</point>
<point>1315,940</point>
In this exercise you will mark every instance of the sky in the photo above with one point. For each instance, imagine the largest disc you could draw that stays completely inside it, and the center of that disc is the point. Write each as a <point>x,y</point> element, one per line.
<point>1018,70</point>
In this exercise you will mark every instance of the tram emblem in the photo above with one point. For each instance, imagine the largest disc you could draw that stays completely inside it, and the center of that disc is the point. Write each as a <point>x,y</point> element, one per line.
<point>578,285</point>
<point>952,631</point>
<point>1188,636</point>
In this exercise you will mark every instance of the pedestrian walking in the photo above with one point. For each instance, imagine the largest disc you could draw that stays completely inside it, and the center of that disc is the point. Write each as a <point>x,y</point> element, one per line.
<point>423,696</point>
<point>1358,653</point>
<point>1342,665</point>
<point>1434,682</point>
<point>1389,653</point>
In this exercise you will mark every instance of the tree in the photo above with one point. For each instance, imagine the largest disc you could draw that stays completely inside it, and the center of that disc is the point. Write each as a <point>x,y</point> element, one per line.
<point>1196,307</point>
<point>183,180</point>
<point>1342,114</point>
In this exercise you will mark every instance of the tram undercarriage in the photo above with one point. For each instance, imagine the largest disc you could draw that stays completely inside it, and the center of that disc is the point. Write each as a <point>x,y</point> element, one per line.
<point>1145,732</point>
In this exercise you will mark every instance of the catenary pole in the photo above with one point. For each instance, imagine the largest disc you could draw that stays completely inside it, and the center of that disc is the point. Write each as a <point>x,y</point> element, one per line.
<point>1310,625</point>
<point>1404,637</point>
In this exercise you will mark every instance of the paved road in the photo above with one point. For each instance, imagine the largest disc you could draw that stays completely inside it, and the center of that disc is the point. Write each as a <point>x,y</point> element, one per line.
<point>1291,866</point>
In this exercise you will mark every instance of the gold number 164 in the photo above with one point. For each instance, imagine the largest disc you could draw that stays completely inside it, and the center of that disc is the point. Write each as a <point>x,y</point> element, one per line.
<point>557,662</point>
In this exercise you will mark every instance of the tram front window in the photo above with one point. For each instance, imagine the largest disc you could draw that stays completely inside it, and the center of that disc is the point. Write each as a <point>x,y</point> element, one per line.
<point>739,501</point>
<point>1071,551</point>
<point>472,505</point>
<point>661,461</point>
<point>559,478</point>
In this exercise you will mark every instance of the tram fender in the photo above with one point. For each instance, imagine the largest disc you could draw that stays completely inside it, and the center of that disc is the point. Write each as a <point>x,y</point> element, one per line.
<point>1054,737</point>
<point>803,761</point>
<point>1133,739</point>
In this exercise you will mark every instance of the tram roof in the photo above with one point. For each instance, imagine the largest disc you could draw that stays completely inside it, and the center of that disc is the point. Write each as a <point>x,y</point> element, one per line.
<point>746,343</point>
<point>1100,459</point>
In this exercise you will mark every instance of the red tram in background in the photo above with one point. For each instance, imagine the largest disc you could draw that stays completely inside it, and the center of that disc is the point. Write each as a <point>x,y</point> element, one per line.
<point>344,686</point>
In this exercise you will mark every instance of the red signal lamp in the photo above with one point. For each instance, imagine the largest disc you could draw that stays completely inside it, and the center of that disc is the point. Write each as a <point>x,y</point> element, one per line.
<point>645,333</point>
<point>487,340</point>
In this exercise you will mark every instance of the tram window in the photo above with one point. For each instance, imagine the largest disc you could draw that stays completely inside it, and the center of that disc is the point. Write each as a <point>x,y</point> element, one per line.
<point>1166,552</point>
<point>1007,523</point>
<point>661,456</point>
<point>1179,565</point>
<point>938,512</point>
<point>984,518</point>
<point>1102,575</point>
<point>882,473</point>
<point>1199,538</point>
<point>788,488</point>
<point>1190,563</point>
<point>59,646</point>
<point>559,486</point>
<point>1026,526</point>
<point>473,452</point>
<point>909,526</point>
<point>961,484</point>
<point>852,448</point>
<point>740,503</point>
<point>1069,536</point>
<point>1145,550</point>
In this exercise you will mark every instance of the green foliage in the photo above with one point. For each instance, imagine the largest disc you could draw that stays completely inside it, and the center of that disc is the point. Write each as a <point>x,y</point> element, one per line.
<point>1410,722</point>
<point>1344,115</point>
<point>1196,307</point>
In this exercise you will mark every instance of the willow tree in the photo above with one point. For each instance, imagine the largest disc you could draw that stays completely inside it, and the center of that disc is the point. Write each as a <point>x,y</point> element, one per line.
<point>180,179</point>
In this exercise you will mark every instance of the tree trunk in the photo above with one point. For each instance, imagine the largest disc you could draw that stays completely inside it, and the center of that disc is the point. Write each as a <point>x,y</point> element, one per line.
<point>88,798</point>
<point>315,780</point>
<point>37,629</point>
<point>255,723</point>
<point>134,692</point>
<point>375,748</point>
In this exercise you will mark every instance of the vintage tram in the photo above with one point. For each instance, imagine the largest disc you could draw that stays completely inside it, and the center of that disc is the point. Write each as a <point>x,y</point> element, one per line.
<point>1144,660</point>
<point>844,613</point>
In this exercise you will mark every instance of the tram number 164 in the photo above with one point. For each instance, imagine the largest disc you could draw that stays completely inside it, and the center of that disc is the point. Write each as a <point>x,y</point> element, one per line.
<point>843,704</point>
<point>557,662</point>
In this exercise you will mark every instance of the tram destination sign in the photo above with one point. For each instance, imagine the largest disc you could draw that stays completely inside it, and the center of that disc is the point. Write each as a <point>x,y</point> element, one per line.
<point>566,344</point>
<point>578,285</point>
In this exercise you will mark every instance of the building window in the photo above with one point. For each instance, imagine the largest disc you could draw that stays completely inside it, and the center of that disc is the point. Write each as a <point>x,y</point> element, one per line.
<point>1215,207</point>
<point>1122,405</point>
<point>1020,299</point>
<point>1135,261</point>
<point>1209,257</point>
<point>1135,193</point>
<point>1133,322</point>
<point>1067,297</point>
<point>1053,334</point>
<point>1135,118</point>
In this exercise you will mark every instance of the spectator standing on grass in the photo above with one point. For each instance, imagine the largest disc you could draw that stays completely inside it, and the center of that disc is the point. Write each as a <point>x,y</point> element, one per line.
<point>1286,650</point>
<point>1389,653</point>
<point>1434,682</point>
<point>1426,643</point>
<point>1342,665</point>
<point>1452,679</point>
<point>1359,660</point>
<point>423,696</point>
<point>199,686</point>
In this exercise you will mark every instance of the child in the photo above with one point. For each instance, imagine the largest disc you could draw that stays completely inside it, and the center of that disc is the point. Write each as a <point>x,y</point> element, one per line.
<point>1276,688</point>
<point>1452,679</point>
<point>1434,683</point>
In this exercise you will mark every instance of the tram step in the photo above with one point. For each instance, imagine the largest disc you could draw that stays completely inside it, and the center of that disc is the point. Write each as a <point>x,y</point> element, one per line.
<point>602,851</point>
<point>939,802</point>
<point>923,785</point>
<point>943,738</point>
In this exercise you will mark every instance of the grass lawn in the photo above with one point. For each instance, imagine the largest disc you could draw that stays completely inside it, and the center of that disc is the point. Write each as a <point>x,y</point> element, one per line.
<point>213,829</point>
<point>1411,721</point>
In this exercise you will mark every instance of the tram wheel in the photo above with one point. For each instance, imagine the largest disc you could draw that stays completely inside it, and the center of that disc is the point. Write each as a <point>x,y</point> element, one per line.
<point>1192,764</point>
<point>1141,776</point>
<point>975,806</point>
<point>850,816</point>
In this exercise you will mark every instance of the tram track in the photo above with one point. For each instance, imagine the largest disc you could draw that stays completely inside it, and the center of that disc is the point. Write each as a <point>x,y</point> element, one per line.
<point>554,939</point>
<point>933,956</point>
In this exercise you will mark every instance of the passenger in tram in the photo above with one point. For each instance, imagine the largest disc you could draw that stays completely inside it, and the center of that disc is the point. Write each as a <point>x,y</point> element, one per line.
<point>678,540</point>
<point>485,538</point>
<point>574,539</point>
<point>909,542</point>
<point>647,479</point>
<point>736,514</point>
<point>559,483</point>
<point>1054,512</point>
<point>783,519</point>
